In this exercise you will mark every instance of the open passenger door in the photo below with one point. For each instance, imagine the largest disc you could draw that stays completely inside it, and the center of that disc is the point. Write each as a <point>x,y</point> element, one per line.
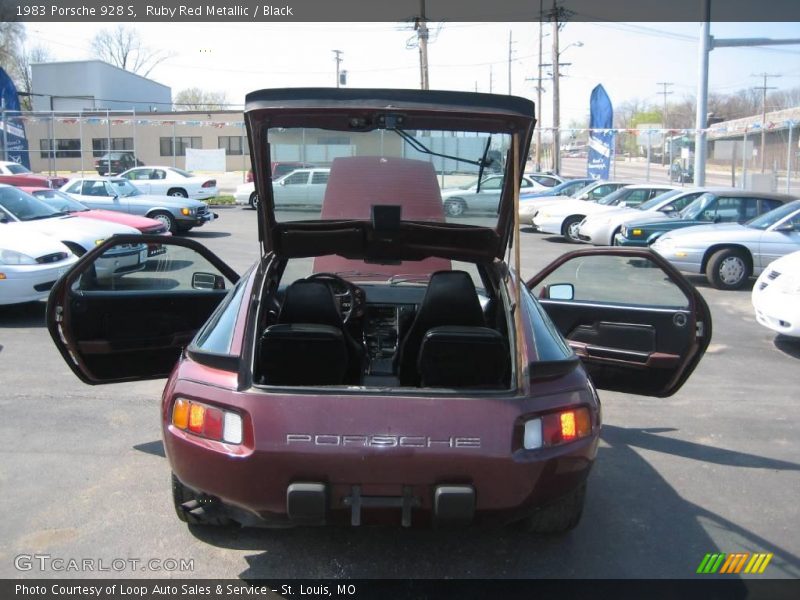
<point>125,311</point>
<point>637,324</point>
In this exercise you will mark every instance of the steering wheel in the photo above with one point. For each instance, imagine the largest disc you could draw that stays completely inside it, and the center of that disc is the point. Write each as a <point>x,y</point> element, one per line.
<point>342,289</point>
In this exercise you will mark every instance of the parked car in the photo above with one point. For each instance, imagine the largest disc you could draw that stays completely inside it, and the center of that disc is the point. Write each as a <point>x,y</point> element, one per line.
<point>66,204</point>
<point>681,174</point>
<point>170,181</point>
<point>119,194</point>
<point>592,192</point>
<point>12,173</point>
<point>468,198</point>
<point>565,188</point>
<point>600,229</point>
<point>776,295</point>
<point>21,212</point>
<point>30,263</point>
<point>112,163</point>
<point>730,253</point>
<point>446,397</point>
<point>301,188</point>
<point>718,206</point>
<point>564,218</point>
<point>279,169</point>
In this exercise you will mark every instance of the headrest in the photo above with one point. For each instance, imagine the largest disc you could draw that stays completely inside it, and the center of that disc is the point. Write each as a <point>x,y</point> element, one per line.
<point>310,302</point>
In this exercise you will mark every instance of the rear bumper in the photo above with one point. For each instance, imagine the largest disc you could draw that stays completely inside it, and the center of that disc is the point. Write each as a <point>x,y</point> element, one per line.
<point>205,193</point>
<point>253,483</point>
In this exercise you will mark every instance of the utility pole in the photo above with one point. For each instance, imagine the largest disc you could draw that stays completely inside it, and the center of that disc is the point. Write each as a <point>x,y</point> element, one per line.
<point>665,93</point>
<point>556,106</point>
<point>338,58</point>
<point>764,89</point>
<point>707,44</point>
<point>539,95</point>
<point>422,36</point>
<point>510,43</point>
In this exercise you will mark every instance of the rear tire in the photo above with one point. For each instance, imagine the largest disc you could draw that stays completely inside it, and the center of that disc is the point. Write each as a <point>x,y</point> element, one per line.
<point>455,207</point>
<point>570,229</point>
<point>559,517</point>
<point>254,200</point>
<point>728,269</point>
<point>177,193</point>
<point>182,494</point>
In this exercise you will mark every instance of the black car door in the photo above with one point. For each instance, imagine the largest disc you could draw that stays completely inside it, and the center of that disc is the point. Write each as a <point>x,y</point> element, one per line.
<point>126,310</point>
<point>638,325</point>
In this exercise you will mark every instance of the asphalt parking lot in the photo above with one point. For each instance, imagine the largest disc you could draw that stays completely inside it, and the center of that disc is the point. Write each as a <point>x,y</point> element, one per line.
<point>716,468</point>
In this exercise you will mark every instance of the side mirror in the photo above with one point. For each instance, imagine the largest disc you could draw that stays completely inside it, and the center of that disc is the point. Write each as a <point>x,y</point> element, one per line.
<point>717,219</point>
<point>667,209</point>
<point>786,228</point>
<point>623,204</point>
<point>207,281</point>
<point>558,291</point>
<point>283,182</point>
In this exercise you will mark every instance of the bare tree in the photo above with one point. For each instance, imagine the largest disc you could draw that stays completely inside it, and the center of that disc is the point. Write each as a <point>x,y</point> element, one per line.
<point>123,48</point>
<point>12,35</point>
<point>25,59</point>
<point>200,100</point>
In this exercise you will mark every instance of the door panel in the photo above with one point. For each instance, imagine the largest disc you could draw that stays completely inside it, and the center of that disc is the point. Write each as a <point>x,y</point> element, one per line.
<point>126,310</point>
<point>638,325</point>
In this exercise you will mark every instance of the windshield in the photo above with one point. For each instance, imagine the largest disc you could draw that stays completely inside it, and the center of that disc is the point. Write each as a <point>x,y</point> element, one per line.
<point>774,216</point>
<point>614,197</point>
<point>583,189</point>
<point>357,170</point>
<point>16,169</point>
<point>24,206</point>
<point>59,201</point>
<point>655,201</point>
<point>123,187</point>
<point>696,208</point>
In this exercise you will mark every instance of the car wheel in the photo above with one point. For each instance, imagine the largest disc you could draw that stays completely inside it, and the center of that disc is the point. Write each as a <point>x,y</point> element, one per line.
<point>560,516</point>
<point>193,509</point>
<point>167,219</point>
<point>254,200</point>
<point>455,207</point>
<point>728,269</point>
<point>570,229</point>
<point>177,193</point>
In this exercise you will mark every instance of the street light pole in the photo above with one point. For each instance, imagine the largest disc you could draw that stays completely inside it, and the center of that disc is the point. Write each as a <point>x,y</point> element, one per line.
<point>556,106</point>
<point>338,58</point>
<point>539,96</point>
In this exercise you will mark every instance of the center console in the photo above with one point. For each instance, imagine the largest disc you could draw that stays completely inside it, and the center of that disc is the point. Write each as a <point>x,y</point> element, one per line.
<point>382,325</point>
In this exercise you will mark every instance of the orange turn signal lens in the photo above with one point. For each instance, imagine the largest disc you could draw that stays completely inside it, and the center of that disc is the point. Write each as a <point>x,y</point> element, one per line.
<point>180,413</point>
<point>566,426</point>
<point>197,413</point>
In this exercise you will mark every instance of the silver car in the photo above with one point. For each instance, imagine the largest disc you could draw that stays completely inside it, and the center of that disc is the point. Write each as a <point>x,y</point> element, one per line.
<point>730,253</point>
<point>119,194</point>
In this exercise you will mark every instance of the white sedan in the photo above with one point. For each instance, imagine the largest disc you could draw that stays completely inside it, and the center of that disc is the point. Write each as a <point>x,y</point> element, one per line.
<point>592,192</point>
<point>600,229</point>
<point>30,264</point>
<point>776,295</point>
<point>299,188</point>
<point>564,218</point>
<point>170,181</point>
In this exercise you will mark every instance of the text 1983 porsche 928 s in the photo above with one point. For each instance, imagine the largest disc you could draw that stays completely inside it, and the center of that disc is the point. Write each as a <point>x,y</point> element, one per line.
<point>382,360</point>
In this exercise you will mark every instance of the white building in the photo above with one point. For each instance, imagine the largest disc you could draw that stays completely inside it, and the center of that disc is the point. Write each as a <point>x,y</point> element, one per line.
<point>95,85</point>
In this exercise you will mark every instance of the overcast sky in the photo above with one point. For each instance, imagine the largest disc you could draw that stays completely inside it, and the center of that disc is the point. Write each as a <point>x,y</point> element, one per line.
<point>627,58</point>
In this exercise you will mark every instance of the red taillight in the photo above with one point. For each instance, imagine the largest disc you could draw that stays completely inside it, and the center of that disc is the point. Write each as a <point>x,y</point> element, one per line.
<point>207,421</point>
<point>249,177</point>
<point>565,426</point>
<point>209,183</point>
